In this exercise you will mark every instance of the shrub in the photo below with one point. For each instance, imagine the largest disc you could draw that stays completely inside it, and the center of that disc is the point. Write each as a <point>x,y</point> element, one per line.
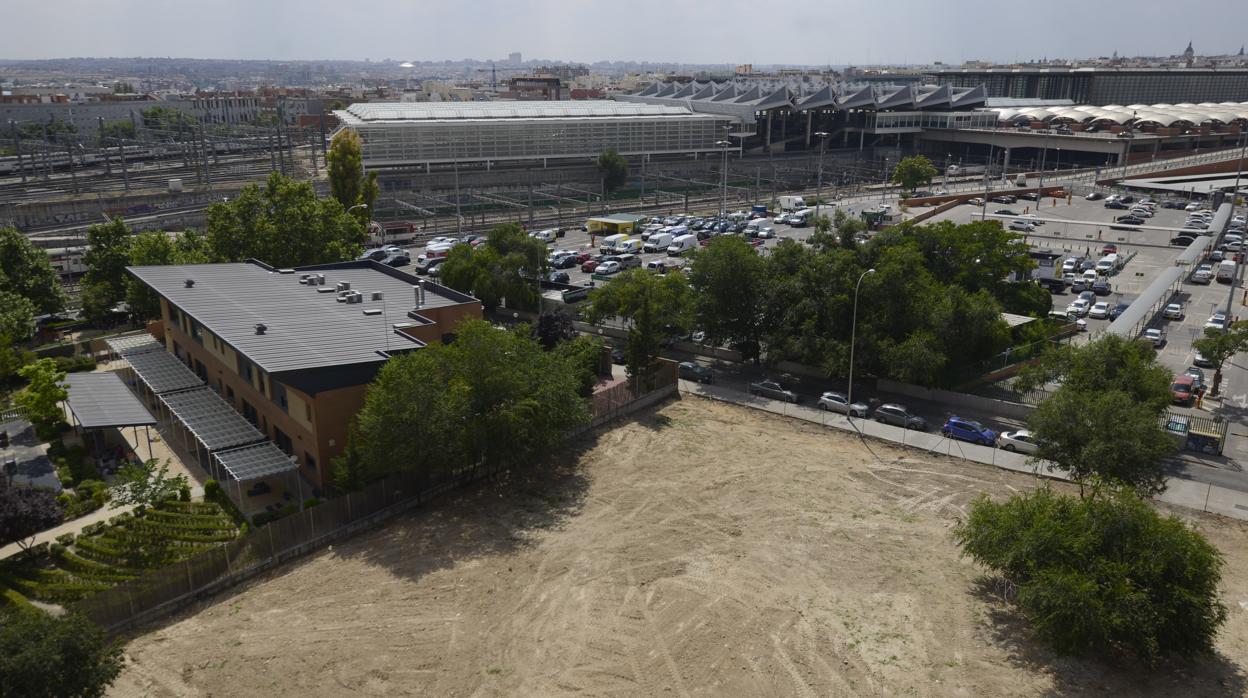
<point>75,363</point>
<point>311,502</point>
<point>65,539</point>
<point>212,490</point>
<point>265,517</point>
<point>1101,573</point>
<point>184,493</point>
<point>56,549</point>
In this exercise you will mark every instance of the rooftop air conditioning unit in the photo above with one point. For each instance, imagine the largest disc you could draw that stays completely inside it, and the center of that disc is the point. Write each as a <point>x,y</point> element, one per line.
<point>378,295</point>
<point>355,297</point>
<point>320,279</point>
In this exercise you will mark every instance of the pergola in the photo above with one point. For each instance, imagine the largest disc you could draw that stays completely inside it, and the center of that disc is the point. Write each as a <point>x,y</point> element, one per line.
<point>101,401</point>
<point>162,372</point>
<point>256,462</point>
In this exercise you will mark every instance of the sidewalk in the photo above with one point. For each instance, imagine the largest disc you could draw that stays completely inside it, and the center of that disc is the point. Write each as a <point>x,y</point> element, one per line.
<point>1179,491</point>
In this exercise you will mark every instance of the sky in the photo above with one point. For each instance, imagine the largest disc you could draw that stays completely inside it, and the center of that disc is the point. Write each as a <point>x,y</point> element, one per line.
<point>807,32</point>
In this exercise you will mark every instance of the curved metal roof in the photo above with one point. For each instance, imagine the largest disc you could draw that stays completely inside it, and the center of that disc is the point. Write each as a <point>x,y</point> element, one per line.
<point>1163,114</point>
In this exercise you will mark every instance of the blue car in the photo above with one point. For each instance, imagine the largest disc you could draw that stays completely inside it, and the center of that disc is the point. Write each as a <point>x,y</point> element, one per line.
<point>968,430</point>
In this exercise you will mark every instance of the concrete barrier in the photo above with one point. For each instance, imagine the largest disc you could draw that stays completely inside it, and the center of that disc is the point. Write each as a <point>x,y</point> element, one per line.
<point>976,402</point>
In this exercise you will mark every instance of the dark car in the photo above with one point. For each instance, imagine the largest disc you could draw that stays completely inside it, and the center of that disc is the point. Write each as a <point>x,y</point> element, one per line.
<point>1102,288</point>
<point>1004,212</point>
<point>617,355</point>
<point>1116,204</point>
<point>397,260</point>
<point>968,430</point>
<point>694,372</point>
<point>1118,310</point>
<point>704,234</point>
<point>1182,240</point>
<point>559,277</point>
<point>567,261</point>
<point>1004,199</point>
<point>1174,204</point>
<point>899,416</point>
<point>773,390</point>
<point>740,227</point>
<point>1030,196</point>
<point>1130,220</point>
<point>1126,198</point>
<point>1095,196</point>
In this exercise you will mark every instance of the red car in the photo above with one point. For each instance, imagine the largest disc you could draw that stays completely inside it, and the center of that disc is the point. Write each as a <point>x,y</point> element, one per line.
<point>1109,249</point>
<point>1183,388</point>
<point>589,265</point>
<point>583,257</point>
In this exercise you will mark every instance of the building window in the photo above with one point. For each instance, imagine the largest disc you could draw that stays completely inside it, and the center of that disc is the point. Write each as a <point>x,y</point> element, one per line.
<point>249,413</point>
<point>229,394</point>
<point>309,461</point>
<point>307,408</point>
<point>283,441</point>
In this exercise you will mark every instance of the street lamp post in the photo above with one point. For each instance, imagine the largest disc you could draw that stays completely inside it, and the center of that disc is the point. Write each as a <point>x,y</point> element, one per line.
<point>823,147</point>
<point>363,206</point>
<point>853,334</point>
<point>723,178</point>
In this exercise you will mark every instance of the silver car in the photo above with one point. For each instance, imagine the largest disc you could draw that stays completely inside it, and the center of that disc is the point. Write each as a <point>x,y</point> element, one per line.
<point>773,390</point>
<point>839,402</point>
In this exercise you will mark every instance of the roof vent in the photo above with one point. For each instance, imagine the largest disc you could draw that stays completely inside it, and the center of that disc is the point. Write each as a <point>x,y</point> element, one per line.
<point>320,279</point>
<point>190,283</point>
<point>373,311</point>
<point>261,327</point>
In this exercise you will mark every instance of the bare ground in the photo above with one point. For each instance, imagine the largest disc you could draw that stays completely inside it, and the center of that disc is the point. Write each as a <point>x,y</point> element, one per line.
<point>703,550</point>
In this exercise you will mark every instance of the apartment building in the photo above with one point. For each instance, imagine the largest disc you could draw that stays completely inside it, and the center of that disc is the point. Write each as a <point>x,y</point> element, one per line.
<point>293,350</point>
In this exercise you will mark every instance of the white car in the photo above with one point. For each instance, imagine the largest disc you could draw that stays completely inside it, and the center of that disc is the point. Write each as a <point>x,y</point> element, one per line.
<point>1203,274</point>
<point>1100,311</point>
<point>1192,207</point>
<point>838,402</point>
<point>1023,226</point>
<point>1021,441</point>
<point>765,232</point>
<point>1079,308</point>
<point>1032,218</point>
<point>1156,336</point>
<point>607,268</point>
<point>1173,311</point>
<point>441,240</point>
<point>547,236</point>
<point>1217,321</point>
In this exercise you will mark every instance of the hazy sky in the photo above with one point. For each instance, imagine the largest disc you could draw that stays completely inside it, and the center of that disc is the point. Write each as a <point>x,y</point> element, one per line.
<point>693,31</point>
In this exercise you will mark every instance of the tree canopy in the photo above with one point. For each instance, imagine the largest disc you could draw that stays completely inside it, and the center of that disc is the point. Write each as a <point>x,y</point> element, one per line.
<point>655,306</point>
<point>347,181</point>
<point>25,511</point>
<point>1220,345</point>
<point>914,171</point>
<point>730,280</point>
<point>27,271</point>
<point>45,390</point>
<point>108,254</point>
<point>506,266</point>
<point>285,224</point>
<point>490,398</point>
<point>17,317</point>
<point>145,484</point>
<point>157,248</point>
<point>613,169</point>
<point>1092,575</point>
<point>1103,422</point>
<point>44,656</point>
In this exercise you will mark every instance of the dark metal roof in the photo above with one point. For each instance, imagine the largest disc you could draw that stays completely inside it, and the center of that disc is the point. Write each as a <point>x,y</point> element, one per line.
<point>254,462</point>
<point>213,422</point>
<point>103,400</point>
<point>162,372</point>
<point>305,324</point>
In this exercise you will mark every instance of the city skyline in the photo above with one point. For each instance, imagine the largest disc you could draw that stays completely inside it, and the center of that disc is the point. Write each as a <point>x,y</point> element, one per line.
<point>895,32</point>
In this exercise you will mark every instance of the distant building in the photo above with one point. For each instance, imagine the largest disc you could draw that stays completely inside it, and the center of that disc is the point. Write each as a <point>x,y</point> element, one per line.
<point>514,58</point>
<point>534,89</point>
<point>1103,86</point>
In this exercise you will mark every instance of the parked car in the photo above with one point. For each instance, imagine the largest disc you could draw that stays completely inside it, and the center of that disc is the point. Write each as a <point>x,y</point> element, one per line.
<point>1183,239</point>
<point>1113,203</point>
<point>1183,389</point>
<point>377,254</point>
<point>1079,308</point>
<point>1200,360</point>
<point>1004,211</point>
<point>589,265</point>
<point>975,201</point>
<point>899,416</point>
<point>1004,199</point>
<point>1100,311</point>
<point>1156,336</point>
<point>1130,220</point>
<point>968,430</point>
<point>617,356</point>
<point>608,268</point>
<point>1021,441</point>
<point>559,277</point>
<point>1102,288</point>
<point>1118,310</point>
<point>1108,249</point>
<point>397,260</point>
<point>1203,274</point>
<point>1198,378</point>
<point>694,372</point>
<point>773,390</point>
<point>1094,196</point>
<point>839,402</point>
<point>1173,311</point>
<point>1022,226</point>
<point>1217,321</point>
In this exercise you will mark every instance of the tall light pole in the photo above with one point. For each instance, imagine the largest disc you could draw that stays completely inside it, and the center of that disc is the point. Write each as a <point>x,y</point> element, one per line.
<point>823,147</point>
<point>723,178</point>
<point>853,335</point>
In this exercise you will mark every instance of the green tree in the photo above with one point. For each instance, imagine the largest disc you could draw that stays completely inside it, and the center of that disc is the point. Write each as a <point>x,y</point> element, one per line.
<point>17,317</point>
<point>108,253</point>
<point>655,307</point>
<point>123,88</point>
<point>506,266</point>
<point>489,398</point>
<point>552,329</point>
<point>46,656</point>
<point>27,271</point>
<point>154,248</point>
<point>847,229</point>
<point>25,511</point>
<point>55,130</point>
<point>584,355</point>
<point>122,129</point>
<point>145,484</point>
<point>284,224</point>
<point>169,124</point>
<point>347,180</point>
<point>913,172</point>
<point>1092,575</point>
<point>45,390</point>
<point>1218,346</point>
<point>613,169</point>
<point>730,281</point>
<point>1103,423</point>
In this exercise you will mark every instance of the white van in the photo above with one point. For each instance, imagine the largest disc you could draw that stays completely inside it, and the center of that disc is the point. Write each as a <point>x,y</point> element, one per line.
<point>1108,264</point>
<point>610,241</point>
<point>1226,271</point>
<point>756,225</point>
<point>657,242</point>
<point>630,246</point>
<point>677,230</point>
<point>681,245</point>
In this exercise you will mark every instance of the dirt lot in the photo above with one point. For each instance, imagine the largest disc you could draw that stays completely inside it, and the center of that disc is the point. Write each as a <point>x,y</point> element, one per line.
<point>704,550</point>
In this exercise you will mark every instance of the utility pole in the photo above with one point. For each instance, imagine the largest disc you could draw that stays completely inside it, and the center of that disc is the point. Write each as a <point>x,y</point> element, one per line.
<point>17,145</point>
<point>69,150</point>
<point>108,162</point>
<point>203,142</point>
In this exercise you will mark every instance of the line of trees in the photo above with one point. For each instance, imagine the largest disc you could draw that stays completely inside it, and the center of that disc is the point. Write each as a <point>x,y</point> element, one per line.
<point>507,265</point>
<point>930,313</point>
<point>1103,571</point>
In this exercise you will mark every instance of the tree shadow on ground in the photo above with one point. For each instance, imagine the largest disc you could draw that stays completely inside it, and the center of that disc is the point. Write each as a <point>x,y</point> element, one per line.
<point>1111,674</point>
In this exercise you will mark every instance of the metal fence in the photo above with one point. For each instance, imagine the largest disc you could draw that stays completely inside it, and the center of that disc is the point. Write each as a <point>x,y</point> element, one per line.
<point>162,591</point>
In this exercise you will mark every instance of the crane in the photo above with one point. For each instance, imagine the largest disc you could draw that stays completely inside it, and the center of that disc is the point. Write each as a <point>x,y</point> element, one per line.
<point>493,71</point>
